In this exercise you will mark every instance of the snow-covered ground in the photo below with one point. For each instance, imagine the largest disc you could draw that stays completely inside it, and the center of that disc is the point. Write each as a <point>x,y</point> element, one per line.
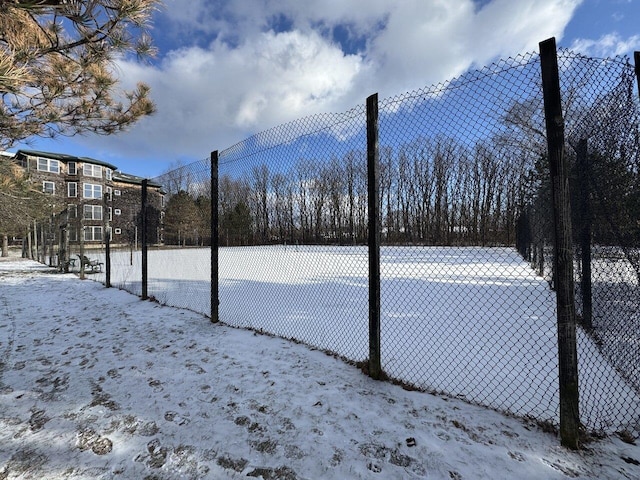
<point>97,384</point>
<point>471,322</point>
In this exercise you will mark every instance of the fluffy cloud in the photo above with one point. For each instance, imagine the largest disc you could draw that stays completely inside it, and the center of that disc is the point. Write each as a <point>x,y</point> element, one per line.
<point>242,67</point>
<point>608,45</point>
<point>209,98</point>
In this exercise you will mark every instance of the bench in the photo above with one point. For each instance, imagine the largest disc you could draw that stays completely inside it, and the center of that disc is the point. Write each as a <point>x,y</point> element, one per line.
<point>90,266</point>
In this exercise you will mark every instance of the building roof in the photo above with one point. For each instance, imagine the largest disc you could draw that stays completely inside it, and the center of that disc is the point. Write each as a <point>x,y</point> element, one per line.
<point>65,158</point>
<point>133,179</point>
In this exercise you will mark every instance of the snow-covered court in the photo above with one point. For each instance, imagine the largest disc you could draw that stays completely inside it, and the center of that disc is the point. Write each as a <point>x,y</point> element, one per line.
<point>97,384</point>
<point>472,322</point>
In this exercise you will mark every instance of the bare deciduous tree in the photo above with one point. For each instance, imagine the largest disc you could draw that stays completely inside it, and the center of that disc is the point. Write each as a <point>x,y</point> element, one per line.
<point>20,202</point>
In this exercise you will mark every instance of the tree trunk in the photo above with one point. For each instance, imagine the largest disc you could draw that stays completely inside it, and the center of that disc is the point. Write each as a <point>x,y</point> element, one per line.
<point>29,245</point>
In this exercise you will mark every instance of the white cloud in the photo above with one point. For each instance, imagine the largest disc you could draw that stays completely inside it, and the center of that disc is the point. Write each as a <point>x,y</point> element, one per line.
<point>422,43</point>
<point>298,74</point>
<point>245,78</point>
<point>506,27</point>
<point>608,45</point>
<point>207,98</point>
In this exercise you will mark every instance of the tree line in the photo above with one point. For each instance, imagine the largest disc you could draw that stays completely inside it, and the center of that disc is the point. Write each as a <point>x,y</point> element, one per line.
<point>432,191</point>
<point>439,190</point>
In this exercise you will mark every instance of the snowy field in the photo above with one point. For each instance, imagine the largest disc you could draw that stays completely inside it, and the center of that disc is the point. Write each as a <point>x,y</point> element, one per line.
<point>470,322</point>
<point>96,384</point>
<point>616,310</point>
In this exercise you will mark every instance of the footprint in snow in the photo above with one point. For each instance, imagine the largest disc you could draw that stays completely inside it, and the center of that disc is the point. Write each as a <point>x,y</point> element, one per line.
<point>156,385</point>
<point>176,418</point>
<point>197,369</point>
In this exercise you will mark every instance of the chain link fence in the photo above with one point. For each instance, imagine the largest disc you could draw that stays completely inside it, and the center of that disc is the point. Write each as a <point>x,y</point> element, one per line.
<point>467,289</point>
<point>179,271</point>
<point>292,206</point>
<point>464,314</point>
<point>603,147</point>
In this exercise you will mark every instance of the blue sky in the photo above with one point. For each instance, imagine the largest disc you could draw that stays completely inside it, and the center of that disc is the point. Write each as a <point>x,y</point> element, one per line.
<point>228,69</point>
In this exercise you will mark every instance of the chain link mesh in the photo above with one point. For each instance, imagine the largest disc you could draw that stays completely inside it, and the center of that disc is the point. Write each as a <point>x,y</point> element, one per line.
<point>464,313</point>
<point>465,166</point>
<point>468,301</point>
<point>180,271</point>
<point>604,117</point>
<point>290,263</point>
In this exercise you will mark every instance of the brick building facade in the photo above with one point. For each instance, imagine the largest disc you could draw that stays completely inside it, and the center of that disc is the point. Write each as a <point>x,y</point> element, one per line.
<point>125,211</point>
<point>90,195</point>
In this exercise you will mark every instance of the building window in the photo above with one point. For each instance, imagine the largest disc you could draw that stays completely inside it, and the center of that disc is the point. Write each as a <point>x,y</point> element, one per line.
<point>107,173</point>
<point>92,234</point>
<point>72,168</point>
<point>92,190</point>
<point>109,193</point>
<point>117,231</point>
<point>118,211</point>
<point>93,212</point>
<point>72,211</point>
<point>73,234</point>
<point>49,187</point>
<point>48,165</point>
<point>116,193</point>
<point>72,189</point>
<point>92,170</point>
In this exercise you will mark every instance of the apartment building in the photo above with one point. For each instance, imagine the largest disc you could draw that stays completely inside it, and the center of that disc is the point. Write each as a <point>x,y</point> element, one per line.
<point>92,196</point>
<point>124,212</point>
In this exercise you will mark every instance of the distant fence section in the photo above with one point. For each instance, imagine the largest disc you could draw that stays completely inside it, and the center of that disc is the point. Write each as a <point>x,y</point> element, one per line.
<point>464,194</point>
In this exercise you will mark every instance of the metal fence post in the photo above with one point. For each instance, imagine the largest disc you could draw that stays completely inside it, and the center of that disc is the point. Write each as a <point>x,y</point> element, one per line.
<point>143,240</point>
<point>563,261</point>
<point>81,234</point>
<point>585,233</point>
<point>373,192</point>
<point>636,60</point>
<point>215,298</point>
<point>107,259</point>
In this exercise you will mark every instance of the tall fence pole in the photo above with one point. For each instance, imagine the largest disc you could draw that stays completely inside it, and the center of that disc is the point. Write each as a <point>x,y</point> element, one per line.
<point>107,259</point>
<point>81,234</point>
<point>373,193</point>
<point>584,174</point>
<point>66,244</point>
<point>215,298</point>
<point>143,239</point>
<point>636,60</point>
<point>563,258</point>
